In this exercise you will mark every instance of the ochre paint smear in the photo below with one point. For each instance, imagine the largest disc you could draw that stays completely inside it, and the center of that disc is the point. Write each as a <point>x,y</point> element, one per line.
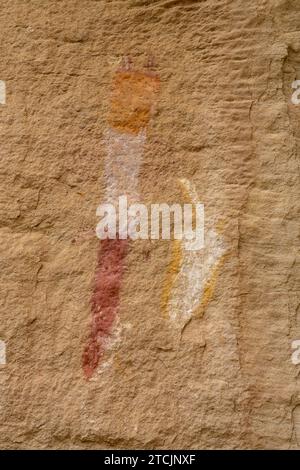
<point>133,95</point>
<point>172,273</point>
<point>209,287</point>
<point>105,300</point>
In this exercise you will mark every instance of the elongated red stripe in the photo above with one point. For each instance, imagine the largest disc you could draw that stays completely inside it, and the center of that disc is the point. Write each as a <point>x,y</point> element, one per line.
<point>105,300</point>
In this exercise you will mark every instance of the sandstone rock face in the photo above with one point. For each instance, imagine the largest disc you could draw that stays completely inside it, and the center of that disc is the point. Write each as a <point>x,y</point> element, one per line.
<point>145,344</point>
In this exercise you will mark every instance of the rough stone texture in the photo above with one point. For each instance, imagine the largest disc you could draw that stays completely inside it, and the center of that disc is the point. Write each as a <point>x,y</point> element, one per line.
<point>224,119</point>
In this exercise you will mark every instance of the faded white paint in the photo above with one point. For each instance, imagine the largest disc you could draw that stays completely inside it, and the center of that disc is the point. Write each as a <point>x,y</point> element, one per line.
<point>296,94</point>
<point>2,92</point>
<point>123,159</point>
<point>2,353</point>
<point>296,354</point>
<point>195,271</point>
<point>122,164</point>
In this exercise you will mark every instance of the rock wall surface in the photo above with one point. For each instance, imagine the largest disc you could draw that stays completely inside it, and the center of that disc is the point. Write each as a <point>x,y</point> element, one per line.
<point>144,344</point>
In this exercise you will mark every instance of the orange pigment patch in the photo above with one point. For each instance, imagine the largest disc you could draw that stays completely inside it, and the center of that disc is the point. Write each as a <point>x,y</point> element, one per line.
<point>133,95</point>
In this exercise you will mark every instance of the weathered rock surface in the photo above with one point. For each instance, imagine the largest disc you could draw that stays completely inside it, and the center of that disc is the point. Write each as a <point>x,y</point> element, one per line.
<point>223,120</point>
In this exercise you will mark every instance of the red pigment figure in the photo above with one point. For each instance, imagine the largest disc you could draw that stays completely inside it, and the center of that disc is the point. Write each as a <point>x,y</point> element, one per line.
<point>105,300</point>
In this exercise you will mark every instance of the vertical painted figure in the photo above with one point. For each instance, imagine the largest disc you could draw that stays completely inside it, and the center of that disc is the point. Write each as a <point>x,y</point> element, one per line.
<point>132,100</point>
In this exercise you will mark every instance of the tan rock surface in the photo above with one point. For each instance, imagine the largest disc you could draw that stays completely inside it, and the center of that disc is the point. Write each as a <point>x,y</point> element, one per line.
<point>224,119</point>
